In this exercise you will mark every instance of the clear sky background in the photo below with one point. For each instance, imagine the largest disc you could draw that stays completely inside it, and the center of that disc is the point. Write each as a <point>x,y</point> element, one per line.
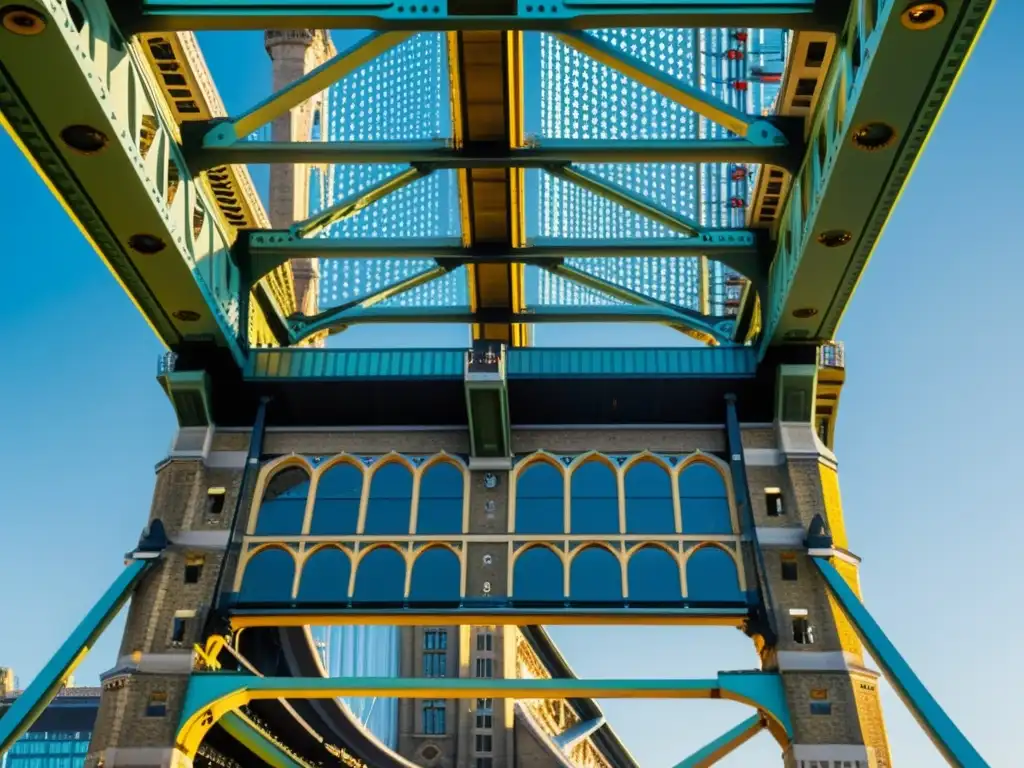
<point>928,438</point>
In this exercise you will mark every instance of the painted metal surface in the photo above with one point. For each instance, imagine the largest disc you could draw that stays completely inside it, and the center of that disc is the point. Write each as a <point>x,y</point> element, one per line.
<point>948,739</point>
<point>249,735</point>
<point>30,704</point>
<point>729,741</point>
<point>327,364</point>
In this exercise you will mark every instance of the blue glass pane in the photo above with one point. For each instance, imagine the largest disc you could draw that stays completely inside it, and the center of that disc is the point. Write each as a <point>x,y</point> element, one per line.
<point>440,505</point>
<point>595,499</point>
<point>595,576</point>
<point>706,516</point>
<point>336,510</point>
<point>649,499</point>
<point>711,576</point>
<point>436,576</point>
<point>653,576</point>
<point>284,504</point>
<point>390,504</point>
<point>325,576</point>
<point>268,577</point>
<point>538,576</point>
<point>700,480</point>
<point>540,495</point>
<point>381,576</point>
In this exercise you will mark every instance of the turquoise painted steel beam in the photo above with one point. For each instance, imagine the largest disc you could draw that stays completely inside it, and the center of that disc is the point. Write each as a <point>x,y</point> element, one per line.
<point>755,129</point>
<point>887,84</point>
<point>728,742</point>
<point>689,320</point>
<point>762,690</point>
<point>183,15</point>
<point>361,200</point>
<point>248,734</point>
<point>40,692</point>
<point>237,128</point>
<point>948,739</point>
<point>718,326</point>
<point>738,249</point>
<point>628,200</point>
<point>336,319</point>
<point>570,737</point>
<point>439,154</point>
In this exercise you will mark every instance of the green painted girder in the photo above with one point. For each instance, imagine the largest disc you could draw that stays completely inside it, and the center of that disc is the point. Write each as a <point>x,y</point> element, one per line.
<point>157,230</point>
<point>249,735</point>
<point>741,250</point>
<point>452,15</point>
<point>763,690</point>
<point>439,154</point>
<point>719,327</point>
<point>886,80</point>
<point>302,364</point>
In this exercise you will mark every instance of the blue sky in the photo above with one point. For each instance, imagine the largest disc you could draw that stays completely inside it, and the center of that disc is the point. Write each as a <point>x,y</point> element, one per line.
<point>928,436</point>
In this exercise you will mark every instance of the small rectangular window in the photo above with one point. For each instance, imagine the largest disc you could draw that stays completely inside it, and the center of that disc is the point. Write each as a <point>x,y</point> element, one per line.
<point>435,640</point>
<point>821,708</point>
<point>156,705</point>
<point>484,721</point>
<point>484,762</point>
<point>485,667</point>
<point>179,629</point>
<point>483,705</point>
<point>435,664</point>
<point>773,502</point>
<point>803,632</point>
<point>483,742</point>
<point>194,568</point>
<point>789,570</point>
<point>215,500</point>
<point>485,641</point>
<point>434,717</point>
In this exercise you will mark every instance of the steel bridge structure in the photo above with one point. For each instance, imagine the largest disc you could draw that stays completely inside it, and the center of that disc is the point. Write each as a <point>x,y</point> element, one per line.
<point>506,485</point>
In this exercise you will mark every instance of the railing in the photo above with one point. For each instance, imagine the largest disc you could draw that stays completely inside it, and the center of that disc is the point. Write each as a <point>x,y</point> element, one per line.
<point>165,363</point>
<point>832,355</point>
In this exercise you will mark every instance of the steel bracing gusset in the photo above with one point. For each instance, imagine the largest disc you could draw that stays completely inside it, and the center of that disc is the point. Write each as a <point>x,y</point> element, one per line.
<point>40,692</point>
<point>338,318</point>
<point>226,133</point>
<point>437,154</point>
<point>212,695</point>
<point>716,330</point>
<point>450,15</point>
<point>948,739</point>
<point>356,203</point>
<point>757,130</point>
<point>728,742</point>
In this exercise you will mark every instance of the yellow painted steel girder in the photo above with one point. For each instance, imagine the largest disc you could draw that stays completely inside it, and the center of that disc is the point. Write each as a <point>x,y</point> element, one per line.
<point>486,73</point>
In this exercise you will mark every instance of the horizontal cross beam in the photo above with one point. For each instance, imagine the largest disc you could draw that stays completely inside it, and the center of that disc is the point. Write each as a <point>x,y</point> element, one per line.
<point>438,154</point>
<point>458,15</point>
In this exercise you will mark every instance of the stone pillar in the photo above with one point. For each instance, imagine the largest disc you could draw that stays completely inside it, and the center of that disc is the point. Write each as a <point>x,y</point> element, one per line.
<point>143,695</point>
<point>833,698</point>
<point>295,53</point>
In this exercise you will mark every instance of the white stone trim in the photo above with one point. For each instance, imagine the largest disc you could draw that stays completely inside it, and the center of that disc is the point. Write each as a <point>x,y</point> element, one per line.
<point>145,757</point>
<point>226,459</point>
<point>799,439</point>
<point>175,453</point>
<point>821,661</point>
<point>838,554</point>
<point>763,457</point>
<point>214,540</point>
<point>170,663</point>
<point>831,753</point>
<point>790,537</point>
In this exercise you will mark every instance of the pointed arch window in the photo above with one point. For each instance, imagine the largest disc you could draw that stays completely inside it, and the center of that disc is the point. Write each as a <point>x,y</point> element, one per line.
<point>595,499</point>
<point>389,507</point>
<point>283,507</point>
<point>649,507</point>
<point>704,500</point>
<point>540,499</point>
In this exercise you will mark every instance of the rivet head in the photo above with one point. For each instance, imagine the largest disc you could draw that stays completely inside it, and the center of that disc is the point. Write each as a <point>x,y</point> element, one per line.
<point>84,139</point>
<point>146,244</point>
<point>834,238</point>
<point>922,16</point>
<point>19,20</point>
<point>873,136</point>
